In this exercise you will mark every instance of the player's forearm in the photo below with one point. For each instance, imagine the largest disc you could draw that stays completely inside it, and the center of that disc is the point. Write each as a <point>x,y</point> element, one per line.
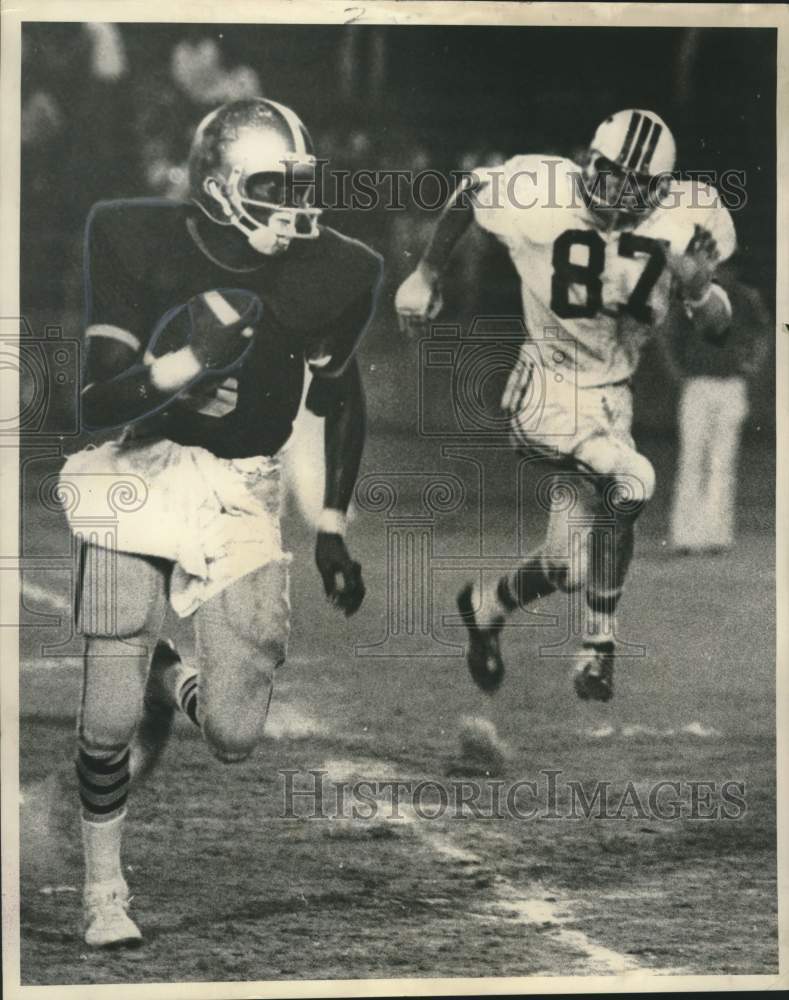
<point>456,217</point>
<point>121,400</point>
<point>137,392</point>
<point>344,437</point>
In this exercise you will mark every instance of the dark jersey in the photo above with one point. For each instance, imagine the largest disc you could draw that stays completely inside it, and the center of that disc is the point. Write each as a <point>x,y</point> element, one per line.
<point>142,263</point>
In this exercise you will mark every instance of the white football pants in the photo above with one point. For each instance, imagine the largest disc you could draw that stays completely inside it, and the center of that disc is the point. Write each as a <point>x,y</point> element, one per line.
<point>711,414</point>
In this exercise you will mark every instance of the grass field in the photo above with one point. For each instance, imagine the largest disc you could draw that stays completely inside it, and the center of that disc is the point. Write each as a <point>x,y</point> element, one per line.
<point>226,888</point>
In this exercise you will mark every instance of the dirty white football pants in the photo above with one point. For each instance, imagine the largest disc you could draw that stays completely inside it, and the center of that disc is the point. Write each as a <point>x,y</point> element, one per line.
<point>711,414</point>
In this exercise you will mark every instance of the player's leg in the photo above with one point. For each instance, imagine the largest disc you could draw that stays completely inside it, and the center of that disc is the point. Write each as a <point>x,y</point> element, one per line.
<point>565,416</point>
<point>687,512</point>
<point>241,638</point>
<point>624,481</point>
<point>590,550</point>
<point>590,428</point>
<point>556,564</point>
<point>730,412</point>
<point>111,703</point>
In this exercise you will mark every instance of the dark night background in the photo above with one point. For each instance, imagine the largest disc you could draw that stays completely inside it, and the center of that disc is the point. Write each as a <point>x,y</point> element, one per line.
<point>228,891</point>
<point>383,98</point>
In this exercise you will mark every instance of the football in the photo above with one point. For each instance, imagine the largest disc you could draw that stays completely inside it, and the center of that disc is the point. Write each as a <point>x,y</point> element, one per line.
<point>480,744</point>
<point>212,313</point>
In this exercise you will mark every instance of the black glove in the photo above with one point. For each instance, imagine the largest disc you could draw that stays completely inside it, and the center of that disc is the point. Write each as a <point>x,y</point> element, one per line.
<point>342,577</point>
<point>220,346</point>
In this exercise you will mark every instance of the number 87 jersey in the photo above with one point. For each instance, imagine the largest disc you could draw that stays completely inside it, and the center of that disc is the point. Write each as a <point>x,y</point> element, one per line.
<point>600,287</point>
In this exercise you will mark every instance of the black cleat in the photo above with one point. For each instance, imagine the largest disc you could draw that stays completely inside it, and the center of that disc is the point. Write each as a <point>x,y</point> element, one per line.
<point>594,679</point>
<point>484,655</point>
<point>158,714</point>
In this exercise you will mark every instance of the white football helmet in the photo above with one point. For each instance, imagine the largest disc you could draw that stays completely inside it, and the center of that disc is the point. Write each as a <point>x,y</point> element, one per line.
<point>629,162</point>
<point>252,166</point>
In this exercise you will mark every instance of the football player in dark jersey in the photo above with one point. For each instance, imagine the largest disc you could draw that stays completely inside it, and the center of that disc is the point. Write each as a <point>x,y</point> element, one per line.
<point>203,321</point>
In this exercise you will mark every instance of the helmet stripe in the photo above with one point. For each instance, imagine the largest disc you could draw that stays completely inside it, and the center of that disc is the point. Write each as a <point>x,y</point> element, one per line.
<point>635,156</point>
<point>294,125</point>
<point>657,131</point>
<point>635,118</point>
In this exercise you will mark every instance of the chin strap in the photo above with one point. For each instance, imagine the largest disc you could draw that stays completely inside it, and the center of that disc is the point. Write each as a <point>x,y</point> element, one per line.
<point>264,237</point>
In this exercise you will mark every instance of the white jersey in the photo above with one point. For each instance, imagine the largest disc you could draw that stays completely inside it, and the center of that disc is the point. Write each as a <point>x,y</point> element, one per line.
<point>602,292</point>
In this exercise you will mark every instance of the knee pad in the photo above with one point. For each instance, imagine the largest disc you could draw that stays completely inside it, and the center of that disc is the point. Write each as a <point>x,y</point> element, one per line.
<point>228,747</point>
<point>232,731</point>
<point>628,477</point>
<point>642,475</point>
<point>628,490</point>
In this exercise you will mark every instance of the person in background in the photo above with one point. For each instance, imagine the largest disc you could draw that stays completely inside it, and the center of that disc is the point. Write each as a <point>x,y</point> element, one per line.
<point>171,102</point>
<point>712,410</point>
<point>74,87</point>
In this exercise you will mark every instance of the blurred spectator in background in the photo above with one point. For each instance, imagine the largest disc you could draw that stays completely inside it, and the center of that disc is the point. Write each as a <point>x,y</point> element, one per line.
<point>409,227</point>
<point>74,114</point>
<point>483,266</point>
<point>171,102</point>
<point>712,409</point>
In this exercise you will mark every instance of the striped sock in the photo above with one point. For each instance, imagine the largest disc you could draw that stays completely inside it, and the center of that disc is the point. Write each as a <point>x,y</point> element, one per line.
<point>187,697</point>
<point>103,777</point>
<point>528,583</point>
<point>601,608</point>
<point>513,590</point>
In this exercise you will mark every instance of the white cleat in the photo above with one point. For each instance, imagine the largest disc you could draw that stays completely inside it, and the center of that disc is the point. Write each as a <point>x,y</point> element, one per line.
<point>107,922</point>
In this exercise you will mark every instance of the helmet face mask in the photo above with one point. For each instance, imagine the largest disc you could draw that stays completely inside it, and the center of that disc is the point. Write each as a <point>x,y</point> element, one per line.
<point>252,167</point>
<point>612,189</point>
<point>627,171</point>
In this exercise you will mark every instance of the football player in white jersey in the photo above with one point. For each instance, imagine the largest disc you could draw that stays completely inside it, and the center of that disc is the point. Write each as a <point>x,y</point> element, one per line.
<point>600,247</point>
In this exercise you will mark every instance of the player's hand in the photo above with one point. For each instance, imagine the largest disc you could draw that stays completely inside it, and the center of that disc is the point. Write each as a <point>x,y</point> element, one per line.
<point>694,268</point>
<point>418,300</point>
<point>516,388</point>
<point>342,577</point>
<point>221,331</point>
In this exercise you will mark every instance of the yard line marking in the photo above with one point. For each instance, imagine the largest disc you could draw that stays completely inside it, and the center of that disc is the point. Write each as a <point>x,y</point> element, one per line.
<point>344,768</point>
<point>532,911</point>
<point>510,904</point>
<point>63,663</point>
<point>43,595</point>
<point>699,729</point>
<point>629,730</point>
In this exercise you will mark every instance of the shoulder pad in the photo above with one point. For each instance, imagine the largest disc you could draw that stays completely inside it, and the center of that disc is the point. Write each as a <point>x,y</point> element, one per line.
<point>326,279</point>
<point>360,264</point>
<point>122,227</point>
<point>536,176</point>
<point>692,203</point>
<point>112,216</point>
<point>519,199</point>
